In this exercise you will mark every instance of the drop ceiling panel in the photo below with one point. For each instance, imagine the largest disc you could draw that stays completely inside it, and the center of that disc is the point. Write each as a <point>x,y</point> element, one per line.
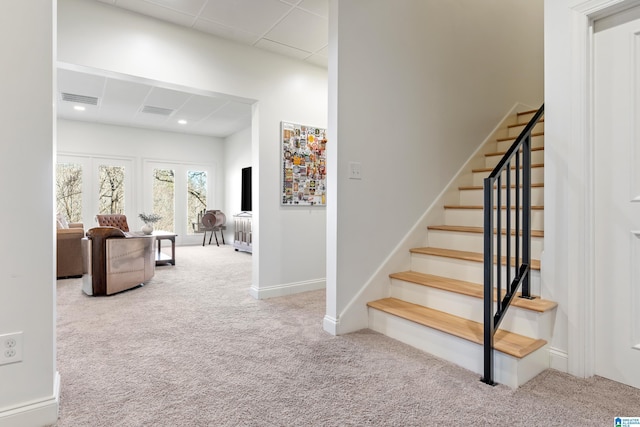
<point>166,98</point>
<point>299,24</point>
<point>122,100</point>
<point>233,111</point>
<point>189,7</point>
<point>282,49</point>
<point>226,32</point>
<point>81,84</point>
<point>301,29</point>
<point>319,7</point>
<point>252,16</point>
<point>199,107</point>
<point>157,11</point>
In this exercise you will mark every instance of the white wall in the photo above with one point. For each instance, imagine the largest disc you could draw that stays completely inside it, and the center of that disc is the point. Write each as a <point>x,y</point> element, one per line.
<point>415,86</point>
<point>141,146</point>
<point>237,155</point>
<point>100,36</point>
<point>558,86</point>
<point>29,389</point>
<point>567,264</point>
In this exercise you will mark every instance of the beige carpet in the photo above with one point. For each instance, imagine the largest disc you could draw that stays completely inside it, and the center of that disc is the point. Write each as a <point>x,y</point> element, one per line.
<point>192,348</point>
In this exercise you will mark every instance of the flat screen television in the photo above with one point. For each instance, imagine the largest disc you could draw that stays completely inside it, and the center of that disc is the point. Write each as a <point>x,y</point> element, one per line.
<point>245,202</point>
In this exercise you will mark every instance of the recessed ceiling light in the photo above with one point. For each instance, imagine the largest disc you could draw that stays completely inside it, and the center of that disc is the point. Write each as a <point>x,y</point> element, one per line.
<point>182,122</point>
<point>78,108</point>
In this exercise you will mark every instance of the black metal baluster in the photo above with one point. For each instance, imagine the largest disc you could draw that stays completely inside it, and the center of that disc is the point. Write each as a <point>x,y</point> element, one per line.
<point>526,207</point>
<point>488,281</point>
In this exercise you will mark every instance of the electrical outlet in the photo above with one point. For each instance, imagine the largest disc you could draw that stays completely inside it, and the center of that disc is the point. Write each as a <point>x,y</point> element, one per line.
<point>355,170</point>
<point>10,348</point>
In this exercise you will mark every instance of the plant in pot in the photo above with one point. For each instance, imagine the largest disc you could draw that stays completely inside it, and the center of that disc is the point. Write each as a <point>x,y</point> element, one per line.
<point>149,220</point>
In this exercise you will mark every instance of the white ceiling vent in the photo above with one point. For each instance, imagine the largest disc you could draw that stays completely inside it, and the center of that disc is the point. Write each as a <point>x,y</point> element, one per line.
<point>157,110</point>
<point>79,99</point>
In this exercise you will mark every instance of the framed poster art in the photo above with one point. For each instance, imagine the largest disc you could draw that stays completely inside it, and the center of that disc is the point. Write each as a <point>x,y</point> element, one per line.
<point>304,161</point>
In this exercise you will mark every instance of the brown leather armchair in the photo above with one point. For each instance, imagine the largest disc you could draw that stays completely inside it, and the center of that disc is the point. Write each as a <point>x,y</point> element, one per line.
<point>116,261</point>
<point>113,220</point>
<point>69,251</point>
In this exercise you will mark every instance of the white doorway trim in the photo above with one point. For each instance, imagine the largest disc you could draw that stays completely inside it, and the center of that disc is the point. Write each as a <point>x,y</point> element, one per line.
<point>581,286</point>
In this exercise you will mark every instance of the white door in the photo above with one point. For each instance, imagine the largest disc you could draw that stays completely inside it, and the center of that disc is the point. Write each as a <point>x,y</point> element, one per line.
<point>617,196</point>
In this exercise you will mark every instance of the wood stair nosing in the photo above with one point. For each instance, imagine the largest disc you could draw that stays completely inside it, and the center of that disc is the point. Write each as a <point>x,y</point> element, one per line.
<point>479,230</point>
<point>504,186</point>
<point>513,138</point>
<point>524,113</point>
<point>466,256</point>
<point>481,170</point>
<point>506,342</point>
<point>502,153</point>
<point>470,289</point>
<point>515,125</point>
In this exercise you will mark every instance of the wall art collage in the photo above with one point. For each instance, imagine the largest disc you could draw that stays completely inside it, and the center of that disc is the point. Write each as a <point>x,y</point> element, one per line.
<point>304,173</point>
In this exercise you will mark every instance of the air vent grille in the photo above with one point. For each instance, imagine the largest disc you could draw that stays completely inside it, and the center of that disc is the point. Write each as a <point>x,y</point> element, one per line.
<point>79,99</point>
<point>157,110</point>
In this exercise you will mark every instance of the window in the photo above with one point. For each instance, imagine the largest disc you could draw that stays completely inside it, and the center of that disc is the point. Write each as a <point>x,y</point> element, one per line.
<point>164,198</point>
<point>196,197</point>
<point>69,191</point>
<point>111,189</point>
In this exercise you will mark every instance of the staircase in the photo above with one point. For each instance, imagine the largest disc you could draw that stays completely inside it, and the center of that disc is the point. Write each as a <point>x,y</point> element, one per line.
<point>437,306</point>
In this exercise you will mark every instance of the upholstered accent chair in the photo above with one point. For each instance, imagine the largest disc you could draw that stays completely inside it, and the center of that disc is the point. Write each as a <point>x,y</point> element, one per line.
<point>69,249</point>
<point>113,220</point>
<point>116,261</point>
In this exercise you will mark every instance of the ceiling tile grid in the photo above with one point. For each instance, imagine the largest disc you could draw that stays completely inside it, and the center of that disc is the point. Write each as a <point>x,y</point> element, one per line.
<point>295,28</point>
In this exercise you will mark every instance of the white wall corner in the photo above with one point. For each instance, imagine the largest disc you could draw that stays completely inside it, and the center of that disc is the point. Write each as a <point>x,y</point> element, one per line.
<point>40,413</point>
<point>287,289</point>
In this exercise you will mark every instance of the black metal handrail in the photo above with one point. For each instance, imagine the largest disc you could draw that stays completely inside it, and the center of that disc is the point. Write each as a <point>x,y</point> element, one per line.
<point>518,158</point>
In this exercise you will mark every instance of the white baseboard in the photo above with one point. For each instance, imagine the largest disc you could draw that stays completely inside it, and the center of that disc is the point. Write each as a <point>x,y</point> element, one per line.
<point>287,289</point>
<point>330,325</point>
<point>40,413</point>
<point>558,360</point>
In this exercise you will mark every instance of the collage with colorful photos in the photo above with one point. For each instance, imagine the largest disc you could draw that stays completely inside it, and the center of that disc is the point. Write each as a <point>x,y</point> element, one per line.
<point>304,174</point>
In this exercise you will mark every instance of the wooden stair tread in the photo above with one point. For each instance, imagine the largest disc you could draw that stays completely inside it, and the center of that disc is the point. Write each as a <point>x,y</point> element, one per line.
<point>480,187</point>
<point>513,138</point>
<point>474,290</point>
<point>524,113</point>
<point>502,153</point>
<point>507,342</point>
<point>480,170</point>
<point>523,124</point>
<point>465,255</point>
<point>538,208</point>
<point>479,230</point>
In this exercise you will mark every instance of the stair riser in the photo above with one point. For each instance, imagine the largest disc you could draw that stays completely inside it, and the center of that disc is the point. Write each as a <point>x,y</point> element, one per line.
<point>508,370</point>
<point>521,321</point>
<point>536,142</point>
<point>525,118</point>
<point>536,157</point>
<point>516,131</point>
<point>474,242</point>
<point>474,218</point>
<point>454,268</point>
<point>476,197</point>
<point>537,177</point>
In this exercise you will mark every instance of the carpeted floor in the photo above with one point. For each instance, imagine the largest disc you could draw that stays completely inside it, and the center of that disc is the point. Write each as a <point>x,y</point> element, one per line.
<point>192,348</point>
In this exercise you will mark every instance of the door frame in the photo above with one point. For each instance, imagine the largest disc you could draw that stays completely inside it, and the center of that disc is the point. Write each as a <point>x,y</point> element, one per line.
<point>581,204</point>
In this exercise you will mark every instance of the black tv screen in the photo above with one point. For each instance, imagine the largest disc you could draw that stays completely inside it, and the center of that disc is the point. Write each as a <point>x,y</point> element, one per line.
<point>245,202</point>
